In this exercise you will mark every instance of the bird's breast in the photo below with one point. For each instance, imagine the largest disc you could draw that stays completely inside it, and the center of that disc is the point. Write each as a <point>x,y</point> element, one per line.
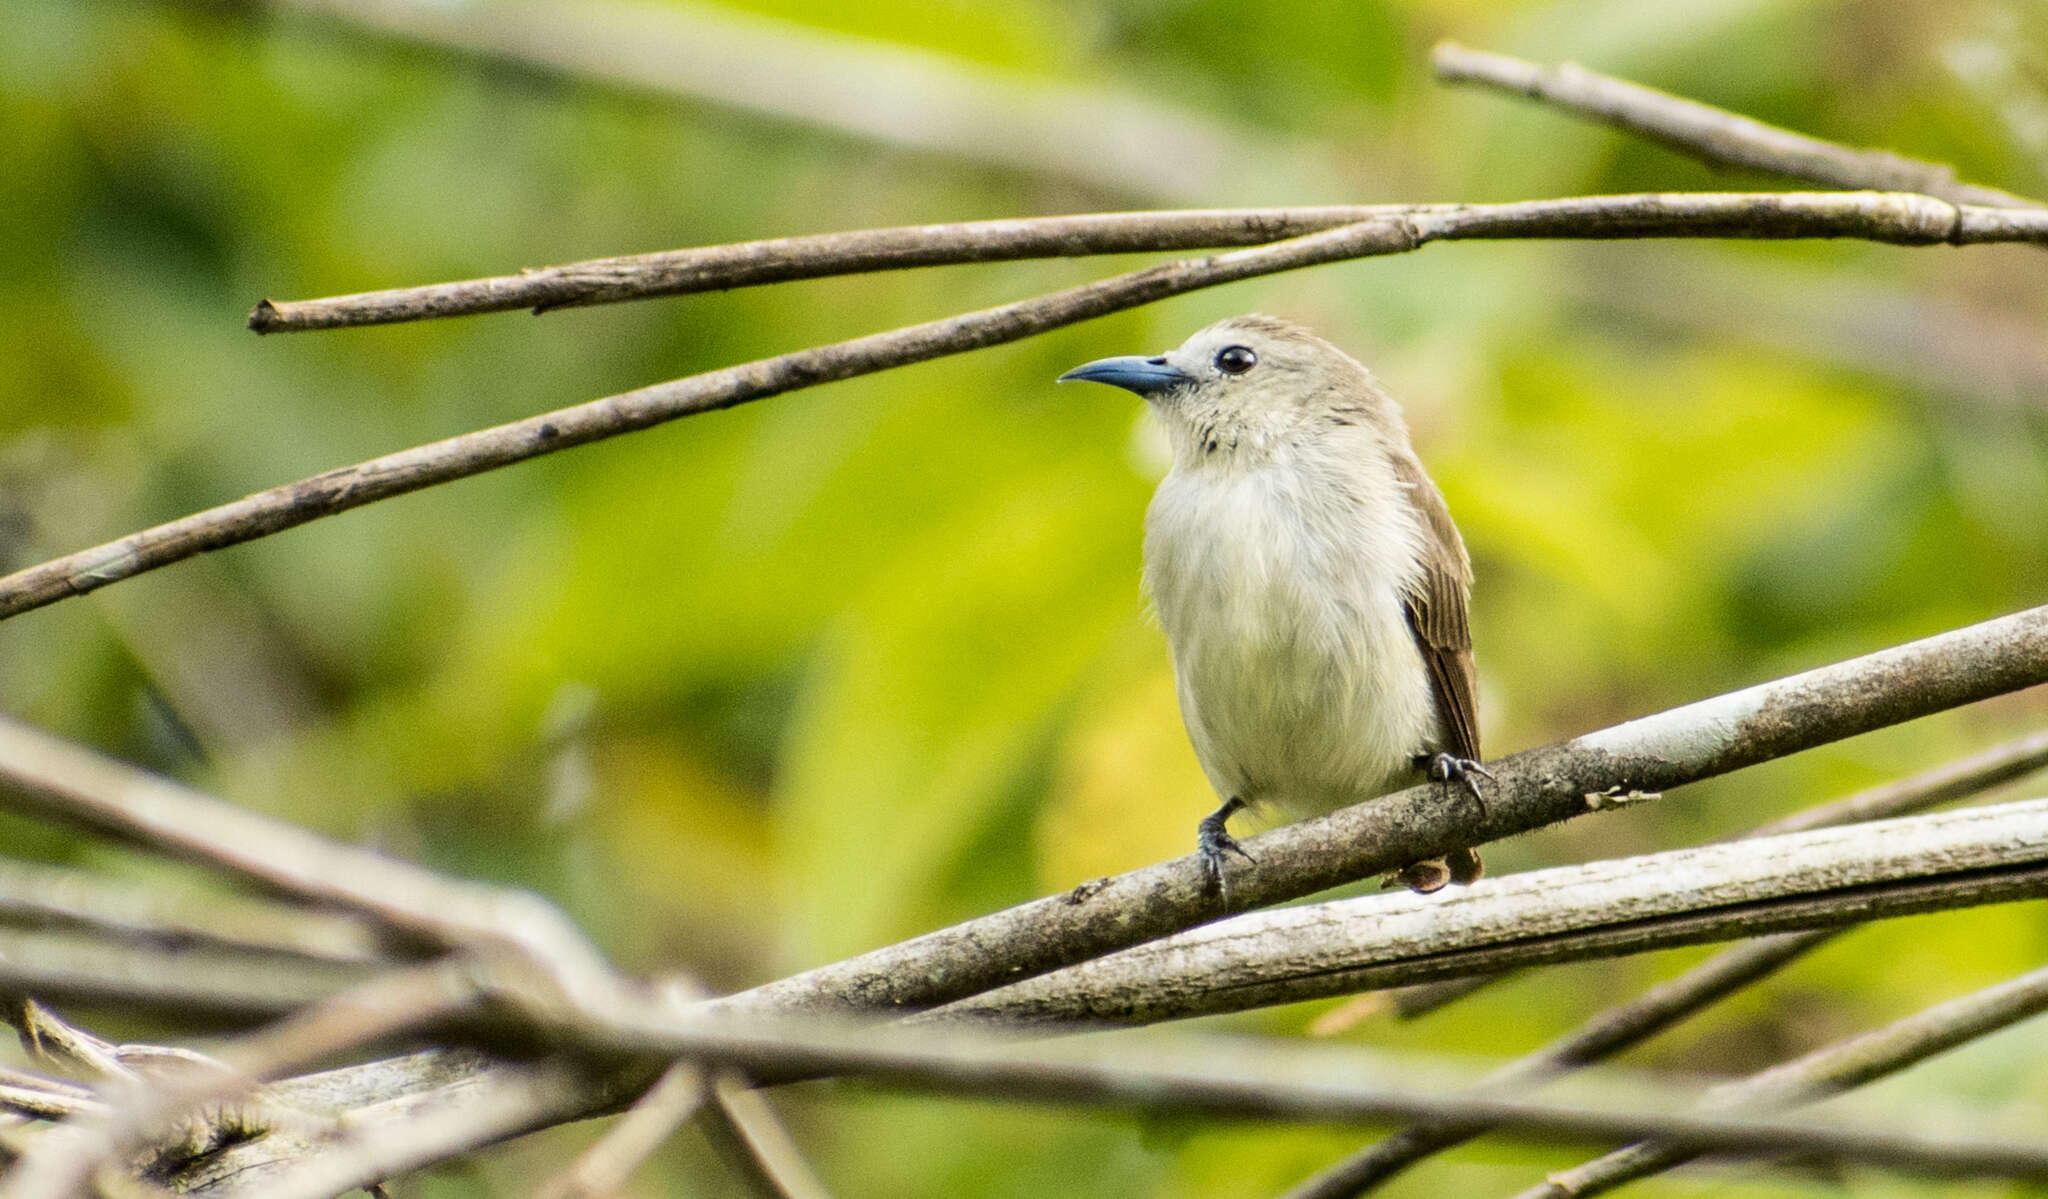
<point>1299,678</point>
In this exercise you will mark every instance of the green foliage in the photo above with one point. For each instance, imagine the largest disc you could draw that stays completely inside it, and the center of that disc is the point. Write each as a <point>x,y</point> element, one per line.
<point>769,687</point>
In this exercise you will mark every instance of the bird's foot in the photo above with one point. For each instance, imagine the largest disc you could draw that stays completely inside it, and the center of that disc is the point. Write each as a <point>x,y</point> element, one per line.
<point>1462,867</point>
<point>1215,844</point>
<point>1423,878</point>
<point>1450,768</point>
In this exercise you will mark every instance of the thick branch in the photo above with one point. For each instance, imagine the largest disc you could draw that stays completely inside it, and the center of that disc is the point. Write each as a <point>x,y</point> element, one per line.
<point>1951,781</point>
<point>779,260</point>
<point>1534,788</point>
<point>1715,134</point>
<point>1712,892</point>
<point>1825,1072</point>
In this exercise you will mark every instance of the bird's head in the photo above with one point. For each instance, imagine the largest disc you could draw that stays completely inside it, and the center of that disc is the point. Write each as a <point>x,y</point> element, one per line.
<point>1247,382</point>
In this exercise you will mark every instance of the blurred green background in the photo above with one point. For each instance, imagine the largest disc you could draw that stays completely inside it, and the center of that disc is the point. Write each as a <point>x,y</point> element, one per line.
<point>762,689</point>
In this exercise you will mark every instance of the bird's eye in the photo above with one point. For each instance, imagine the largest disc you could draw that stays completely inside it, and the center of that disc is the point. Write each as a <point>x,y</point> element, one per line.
<point>1236,360</point>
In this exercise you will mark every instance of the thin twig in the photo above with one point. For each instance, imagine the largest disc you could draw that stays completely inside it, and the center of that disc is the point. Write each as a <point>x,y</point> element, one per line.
<point>1714,134</point>
<point>1606,1034</point>
<point>1825,1072</point>
<point>752,1140</point>
<point>825,255</point>
<point>1950,781</point>
<point>602,1170</point>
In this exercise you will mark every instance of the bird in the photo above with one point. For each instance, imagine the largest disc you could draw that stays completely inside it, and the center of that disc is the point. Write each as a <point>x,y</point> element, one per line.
<point>1310,581</point>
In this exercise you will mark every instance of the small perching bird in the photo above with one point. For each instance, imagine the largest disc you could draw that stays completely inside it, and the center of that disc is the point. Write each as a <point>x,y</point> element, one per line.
<point>1309,579</point>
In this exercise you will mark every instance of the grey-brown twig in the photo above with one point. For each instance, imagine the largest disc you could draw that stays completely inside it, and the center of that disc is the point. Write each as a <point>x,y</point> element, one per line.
<point>779,260</point>
<point>1830,1071</point>
<point>603,1169</point>
<point>753,1141</point>
<point>49,776</point>
<point>1714,134</point>
<point>1898,217</point>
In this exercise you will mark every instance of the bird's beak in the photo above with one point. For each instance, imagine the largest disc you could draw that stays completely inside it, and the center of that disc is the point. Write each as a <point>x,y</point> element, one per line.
<point>1132,372</point>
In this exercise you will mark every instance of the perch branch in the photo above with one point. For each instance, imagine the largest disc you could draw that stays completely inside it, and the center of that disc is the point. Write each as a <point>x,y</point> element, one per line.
<point>1951,781</point>
<point>1714,134</point>
<point>1818,1075</point>
<point>1710,892</point>
<point>1534,788</point>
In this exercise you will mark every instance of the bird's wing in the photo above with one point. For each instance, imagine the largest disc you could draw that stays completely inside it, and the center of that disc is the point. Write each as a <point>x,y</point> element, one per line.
<point>1435,605</point>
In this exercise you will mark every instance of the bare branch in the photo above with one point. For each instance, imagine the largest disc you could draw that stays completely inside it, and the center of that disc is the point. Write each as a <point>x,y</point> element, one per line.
<point>778,260</point>
<point>1714,134</point>
<point>1830,1071</point>
<point>1902,218</point>
<point>1954,780</point>
<point>1265,1077</point>
<point>1712,892</point>
<point>206,983</point>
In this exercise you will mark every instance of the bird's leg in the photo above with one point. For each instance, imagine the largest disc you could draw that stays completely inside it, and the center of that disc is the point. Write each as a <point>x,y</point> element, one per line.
<point>1214,842</point>
<point>1450,768</point>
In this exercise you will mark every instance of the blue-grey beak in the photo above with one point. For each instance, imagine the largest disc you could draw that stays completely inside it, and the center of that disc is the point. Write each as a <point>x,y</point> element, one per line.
<point>1132,372</point>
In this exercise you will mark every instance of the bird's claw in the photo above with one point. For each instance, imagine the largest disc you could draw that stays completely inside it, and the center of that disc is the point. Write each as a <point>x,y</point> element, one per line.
<point>1215,844</point>
<point>1450,768</point>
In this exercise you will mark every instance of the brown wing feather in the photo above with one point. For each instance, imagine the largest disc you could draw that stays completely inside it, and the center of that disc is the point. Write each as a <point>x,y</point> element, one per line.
<point>1436,611</point>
